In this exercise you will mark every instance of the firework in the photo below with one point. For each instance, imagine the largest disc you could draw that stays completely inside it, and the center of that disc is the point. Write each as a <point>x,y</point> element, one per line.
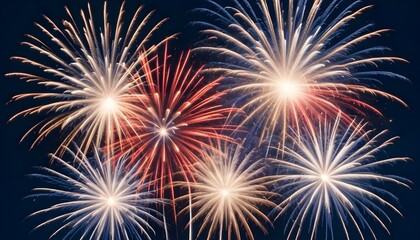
<point>178,115</point>
<point>332,172</point>
<point>291,61</point>
<point>96,200</point>
<point>229,189</point>
<point>87,74</point>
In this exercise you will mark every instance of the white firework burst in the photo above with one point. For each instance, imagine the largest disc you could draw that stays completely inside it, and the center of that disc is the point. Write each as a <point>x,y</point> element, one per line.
<point>332,172</point>
<point>86,71</point>
<point>228,191</point>
<point>96,199</point>
<point>295,60</point>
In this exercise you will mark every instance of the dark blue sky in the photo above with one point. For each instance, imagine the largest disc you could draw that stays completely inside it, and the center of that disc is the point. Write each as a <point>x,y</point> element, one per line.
<point>17,17</point>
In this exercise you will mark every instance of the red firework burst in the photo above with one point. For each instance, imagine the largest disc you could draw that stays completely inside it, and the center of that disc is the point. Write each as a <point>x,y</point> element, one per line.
<point>177,115</point>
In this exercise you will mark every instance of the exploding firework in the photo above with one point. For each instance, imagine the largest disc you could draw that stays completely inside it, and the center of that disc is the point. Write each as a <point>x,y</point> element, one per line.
<point>229,189</point>
<point>97,200</point>
<point>87,74</point>
<point>292,62</point>
<point>177,117</point>
<point>332,172</point>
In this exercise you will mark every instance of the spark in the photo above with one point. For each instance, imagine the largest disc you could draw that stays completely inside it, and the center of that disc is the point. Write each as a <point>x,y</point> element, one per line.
<point>325,178</point>
<point>163,132</point>
<point>288,89</point>
<point>225,192</point>
<point>109,105</point>
<point>111,201</point>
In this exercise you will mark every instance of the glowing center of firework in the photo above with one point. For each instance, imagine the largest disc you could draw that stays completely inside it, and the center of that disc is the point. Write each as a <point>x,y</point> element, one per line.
<point>224,192</point>
<point>163,132</point>
<point>325,178</point>
<point>110,201</point>
<point>287,88</point>
<point>109,104</point>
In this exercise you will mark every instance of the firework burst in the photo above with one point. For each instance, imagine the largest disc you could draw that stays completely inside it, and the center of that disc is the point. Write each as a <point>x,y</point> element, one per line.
<point>175,119</point>
<point>292,62</point>
<point>87,75</point>
<point>229,189</point>
<point>331,172</point>
<point>97,200</point>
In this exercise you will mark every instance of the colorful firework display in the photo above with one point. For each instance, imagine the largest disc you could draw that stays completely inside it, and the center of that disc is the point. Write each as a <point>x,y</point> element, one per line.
<point>293,79</point>
<point>177,116</point>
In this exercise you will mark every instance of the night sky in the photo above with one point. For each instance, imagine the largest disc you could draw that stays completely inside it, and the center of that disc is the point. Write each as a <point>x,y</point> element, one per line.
<point>17,161</point>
